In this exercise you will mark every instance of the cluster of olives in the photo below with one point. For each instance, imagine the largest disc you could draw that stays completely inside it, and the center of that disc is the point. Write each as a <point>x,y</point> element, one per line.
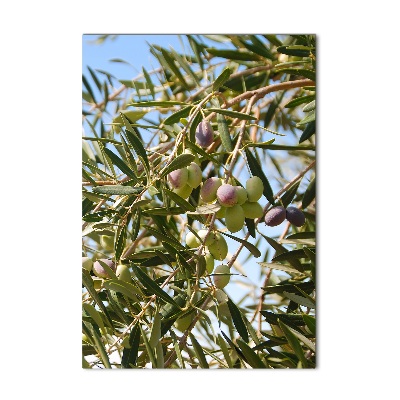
<point>276,215</point>
<point>237,203</point>
<point>122,271</point>
<point>216,249</point>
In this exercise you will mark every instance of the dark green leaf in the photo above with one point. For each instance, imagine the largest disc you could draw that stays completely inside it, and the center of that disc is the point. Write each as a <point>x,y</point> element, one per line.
<point>295,50</point>
<point>120,240</point>
<point>100,348</point>
<point>303,301</point>
<point>302,235</point>
<point>290,255</point>
<point>299,71</point>
<point>293,320</point>
<point>224,133</point>
<point>291,287</point>
<point>256,170</point>
<point>199,352</point>
<point>88,88</point>
<point>148,81</point>
<point>182,161</point>
<point>269,115</point>
<point>300,100</point>
<point>129,355</point>
<point>176,117</point>
<point>309,194</point>
<point>186,206</point>
<point>308,118</point>
<point>222,78</point>
<point>233,114</point>
<point>310,322</point>
<point>273,39</point>
<point>94,77</point>
<point>283,147</point>
<point>308,132</point>
<point>233,54</point>
<point>120,164</point>
<point>88,283</point>
<point>294,343</point>
<point>155,103</point>
<point>238,320</point>
<point>171,63</point>
<point>251,226</point>
<point>253,249</point>
<point>289,194</point>
<point>148,283</point>
<point>251,357</point>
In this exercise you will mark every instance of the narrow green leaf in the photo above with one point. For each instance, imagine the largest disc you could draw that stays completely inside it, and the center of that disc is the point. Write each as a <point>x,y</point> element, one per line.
<point>94,314</point>
<point>289,194</point>
<point>156,103</point>
<point>137,145</point>
<point>233,54</point>
<point>309,194</point>
<point>311,323</point>
<point>308,132</point>
<point>303,301</point>
<point>148,347</point>
<point>284,147</point>
<point>300,100</point>
<point>176,117</point>
<point>117,189</point>
<point>88,88</point>
<point>308,118</point>
<point>224,133</point>
<point>120,240</point>
<point>293,320</point>
<point>148,81</point>
<point>302,235</point>
<point>273,39</point>
<point>177,350</point>
<point>95,169</point>
<point>149,284</point>
<point>171,63</point>
<point>310,254</point>
<point>95,79</point>
<point>120,164</point>
<point>185,66</point>
<point>199,352</point>
<point>88,283</point>
<point>100,348</point>
<point>232,114</point>
<point>225,351</point>
<point>126,288</point>
<point>269,115</point>
<point>291,287</point>
<point>256,170</point>
<point>294,343</point>
<point>222,78</point>
<point>186,206</point>
<point>299,71</point>
<point>309,107</point>
<point>295,50</point>
<point>260,144</point>
<point>257,47</point>
<point>237,319</point>
<point>182,161</point>
<point>250,355</point>
<point>197,48</point>
<point>155,331</point>
<point>290,255</point>
<point>129,355</point>
<point>307,342</point>
<point>280,267</point>
<point>253,249</point>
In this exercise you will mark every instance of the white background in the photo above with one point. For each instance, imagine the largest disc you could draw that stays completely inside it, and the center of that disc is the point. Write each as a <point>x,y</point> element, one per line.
<point>358,142</point>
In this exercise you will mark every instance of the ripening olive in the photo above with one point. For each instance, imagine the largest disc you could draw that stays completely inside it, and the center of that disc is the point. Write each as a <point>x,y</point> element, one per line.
<point>184,192</point>
<point>107,242</point>
<point>295,216</point>
<point>252,210</point>
<point>87,263</point>
<point>204,134</point>
<point>208,191</point>
<point>178,178</point>
<point>221,276</point>
<point>254,188</point>
<point>194,175</point>
<point>241,194</point>
<point>234,218</point>
<point>219,248</point>
<point>275,216</point>
<point>123,273</point>
<point>99,270</point>
<point>227,195</point>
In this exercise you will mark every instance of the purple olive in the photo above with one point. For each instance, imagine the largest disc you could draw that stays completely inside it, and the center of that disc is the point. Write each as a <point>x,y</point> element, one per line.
<point>295,216</point>
<point>99,270</point>
<point>178,178</point>
<point>208,191</point>
<point>275,216</point>
<point>204,134</point>
<point>227,195</point>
